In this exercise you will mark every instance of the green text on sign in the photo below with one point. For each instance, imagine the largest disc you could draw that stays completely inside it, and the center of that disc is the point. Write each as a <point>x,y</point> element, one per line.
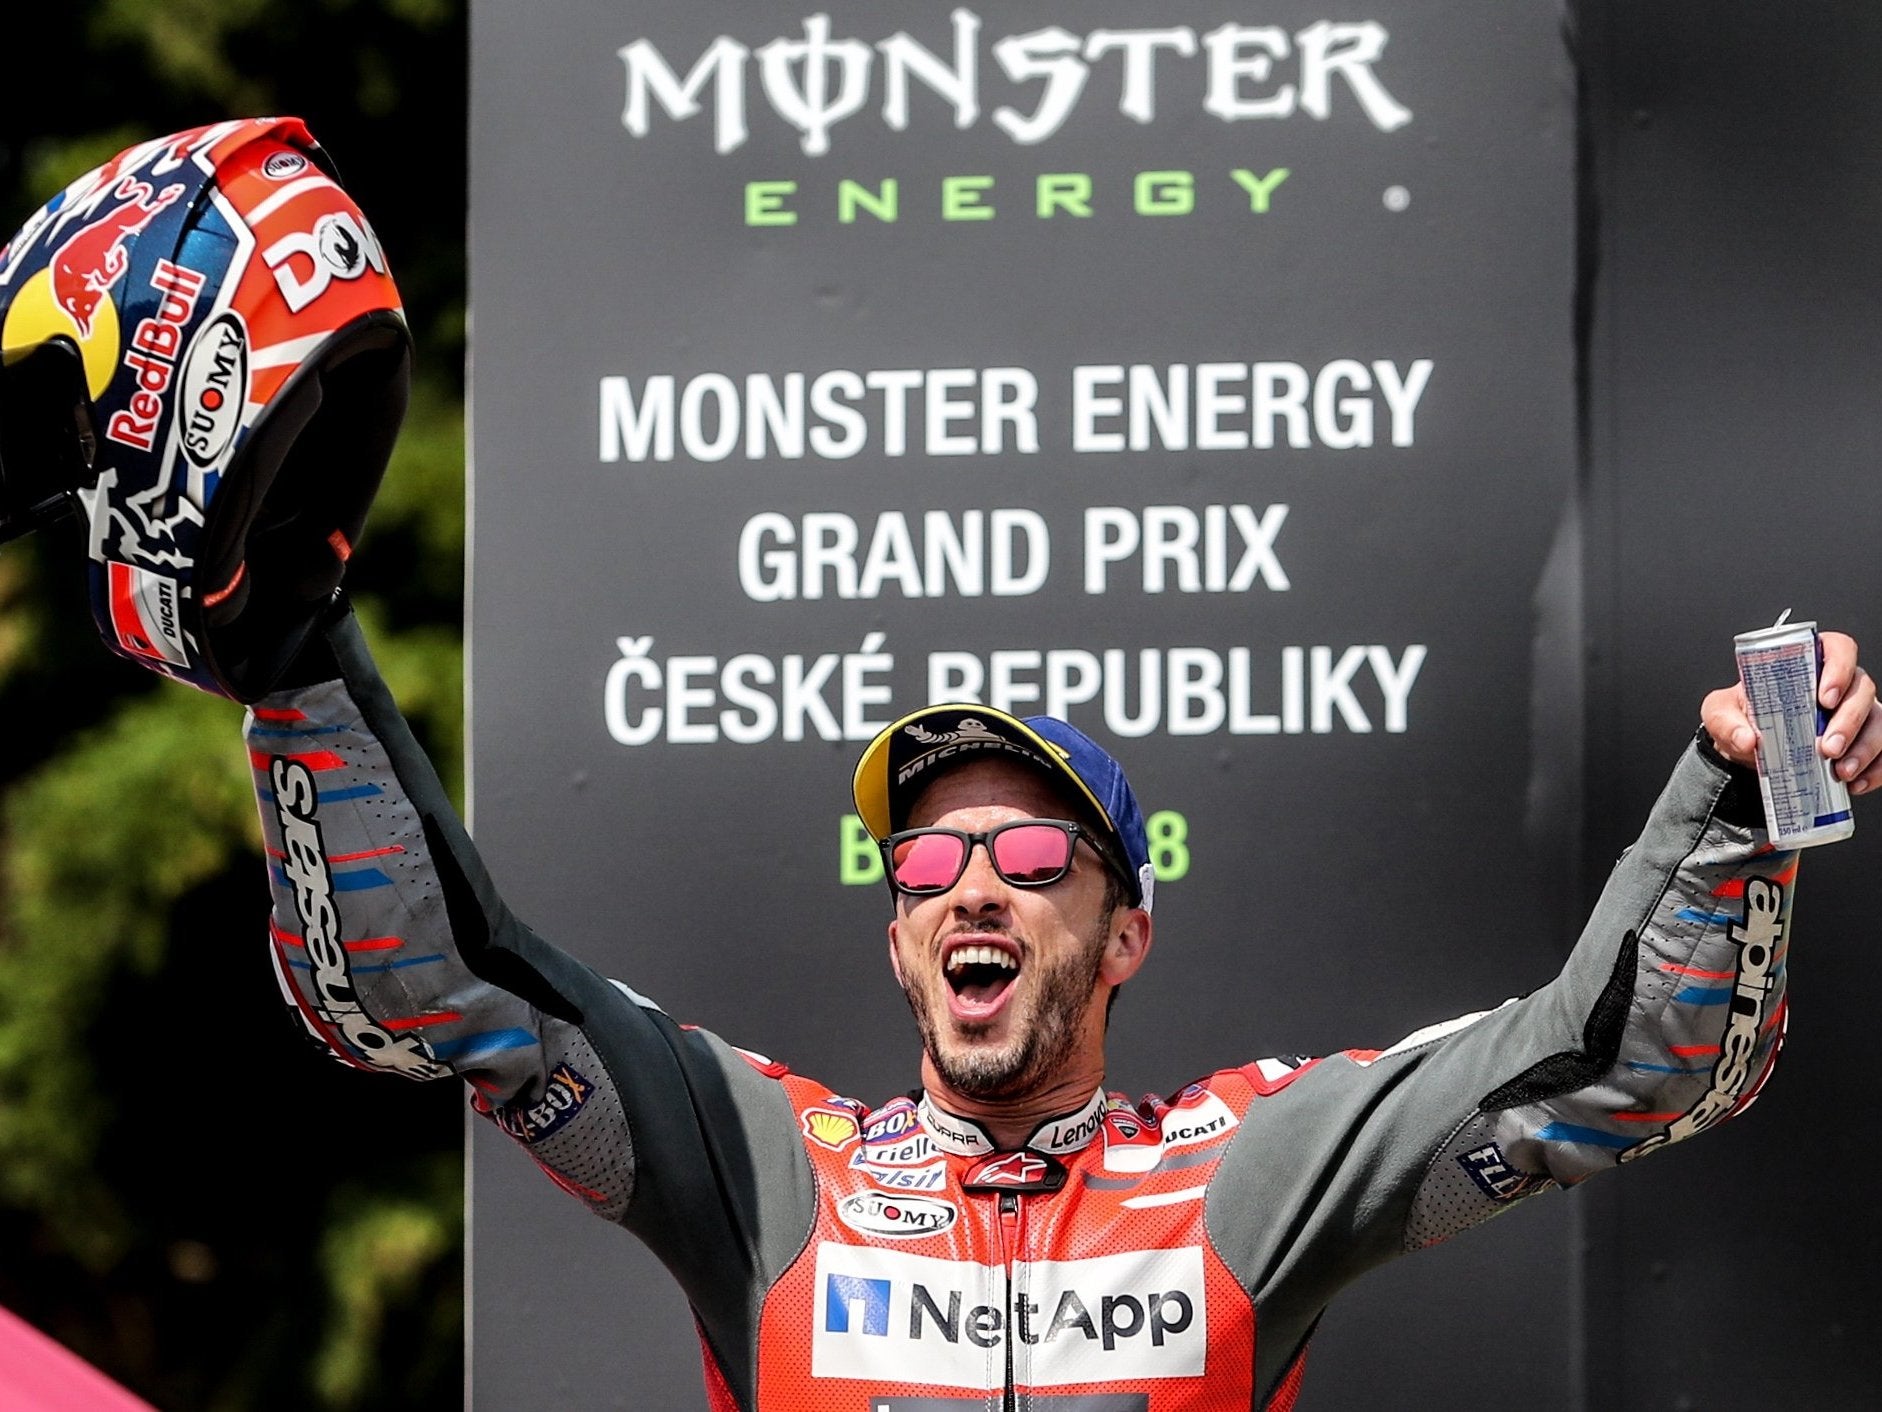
<point>859,861</point>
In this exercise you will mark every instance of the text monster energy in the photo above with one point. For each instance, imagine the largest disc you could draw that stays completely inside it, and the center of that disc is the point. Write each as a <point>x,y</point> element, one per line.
<point>814,83</point>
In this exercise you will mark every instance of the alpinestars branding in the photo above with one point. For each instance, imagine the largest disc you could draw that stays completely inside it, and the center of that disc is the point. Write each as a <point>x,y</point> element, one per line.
<point>297,806</point>
<point>1757,936</point>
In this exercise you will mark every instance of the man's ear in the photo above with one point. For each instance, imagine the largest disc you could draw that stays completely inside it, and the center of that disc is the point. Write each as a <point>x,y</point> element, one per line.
<point>895,961</point>
<point>1127,946</point>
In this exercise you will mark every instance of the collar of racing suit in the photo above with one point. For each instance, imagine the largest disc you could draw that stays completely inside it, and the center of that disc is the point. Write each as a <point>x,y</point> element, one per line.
<point>963,1137</point>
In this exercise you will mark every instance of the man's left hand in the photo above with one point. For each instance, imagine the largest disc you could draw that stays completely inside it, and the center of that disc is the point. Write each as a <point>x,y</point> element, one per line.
<point>1853,737</point>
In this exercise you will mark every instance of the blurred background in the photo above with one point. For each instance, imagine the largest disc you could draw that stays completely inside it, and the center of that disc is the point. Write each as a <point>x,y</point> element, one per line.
<point>191,1197</point>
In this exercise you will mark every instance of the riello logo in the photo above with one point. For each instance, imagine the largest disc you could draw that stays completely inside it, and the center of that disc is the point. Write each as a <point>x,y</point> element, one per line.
<point>1036,79</point>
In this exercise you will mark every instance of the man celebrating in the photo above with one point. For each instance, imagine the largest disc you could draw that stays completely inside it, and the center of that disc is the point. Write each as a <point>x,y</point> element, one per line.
<point>1008,1236</point>
<point>1011,1235</point>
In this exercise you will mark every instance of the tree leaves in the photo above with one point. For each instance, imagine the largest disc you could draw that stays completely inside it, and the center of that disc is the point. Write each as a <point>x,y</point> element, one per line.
<point>189,1195</point>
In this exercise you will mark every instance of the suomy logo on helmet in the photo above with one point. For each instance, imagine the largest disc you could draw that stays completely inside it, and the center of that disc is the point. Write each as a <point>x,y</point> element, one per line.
<point>215,385</point>
<point>282,165</point>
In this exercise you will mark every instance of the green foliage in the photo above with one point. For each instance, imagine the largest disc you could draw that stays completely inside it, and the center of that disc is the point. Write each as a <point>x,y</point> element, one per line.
<point>150,1077</point>
<point>379,1254</point>
<point>186,42</point>
<point>100,845</point>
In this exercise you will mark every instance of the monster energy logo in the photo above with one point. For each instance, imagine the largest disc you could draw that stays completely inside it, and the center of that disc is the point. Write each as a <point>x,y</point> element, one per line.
<point>814,83</point>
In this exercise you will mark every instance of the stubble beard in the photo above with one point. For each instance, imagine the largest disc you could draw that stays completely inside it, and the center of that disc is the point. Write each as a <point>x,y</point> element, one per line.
<point>1040,1047</point>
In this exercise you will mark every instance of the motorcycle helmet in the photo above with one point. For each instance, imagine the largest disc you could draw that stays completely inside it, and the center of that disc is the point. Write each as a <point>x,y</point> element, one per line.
<point>205,357</point>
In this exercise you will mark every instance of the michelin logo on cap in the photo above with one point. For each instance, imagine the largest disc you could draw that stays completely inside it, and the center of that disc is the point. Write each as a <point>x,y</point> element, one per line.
<point>969,734</point>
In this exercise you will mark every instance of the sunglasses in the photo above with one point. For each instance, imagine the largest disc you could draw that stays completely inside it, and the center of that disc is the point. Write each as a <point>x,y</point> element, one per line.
<point>1025,853</point>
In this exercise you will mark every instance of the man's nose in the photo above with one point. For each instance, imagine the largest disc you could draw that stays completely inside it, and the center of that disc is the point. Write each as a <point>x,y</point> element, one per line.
<point>981,889</point>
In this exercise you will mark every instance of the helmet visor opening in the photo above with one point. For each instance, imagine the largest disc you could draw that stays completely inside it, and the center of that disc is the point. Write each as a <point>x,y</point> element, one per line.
<point>47,443</point>
<point>275,548</point>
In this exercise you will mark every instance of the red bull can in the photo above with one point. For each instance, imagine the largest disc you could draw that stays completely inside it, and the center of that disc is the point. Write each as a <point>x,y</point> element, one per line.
<point>1804,802</point>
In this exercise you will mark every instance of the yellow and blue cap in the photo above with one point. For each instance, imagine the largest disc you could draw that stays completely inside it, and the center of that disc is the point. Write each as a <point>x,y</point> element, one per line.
<point>905,757</point>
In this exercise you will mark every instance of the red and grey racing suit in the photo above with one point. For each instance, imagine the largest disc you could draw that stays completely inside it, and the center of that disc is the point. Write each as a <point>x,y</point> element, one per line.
<point>1131,1257</point>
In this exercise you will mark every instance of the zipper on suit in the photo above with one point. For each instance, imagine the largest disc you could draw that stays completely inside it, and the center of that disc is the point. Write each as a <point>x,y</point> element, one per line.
<point>1009,1243</point>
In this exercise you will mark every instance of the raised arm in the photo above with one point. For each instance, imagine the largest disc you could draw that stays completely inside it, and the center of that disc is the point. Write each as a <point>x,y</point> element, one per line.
<point>1664,1022</point>
<point>394,947</point>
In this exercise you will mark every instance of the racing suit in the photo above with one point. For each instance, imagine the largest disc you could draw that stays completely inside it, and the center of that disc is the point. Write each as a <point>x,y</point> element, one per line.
<point>1149,1257</point>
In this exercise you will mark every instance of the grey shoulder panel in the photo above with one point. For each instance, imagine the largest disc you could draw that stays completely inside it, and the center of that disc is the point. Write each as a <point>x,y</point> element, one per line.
<point>1360,1157</point>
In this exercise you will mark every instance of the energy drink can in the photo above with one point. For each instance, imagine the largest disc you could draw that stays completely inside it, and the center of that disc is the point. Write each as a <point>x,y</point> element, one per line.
<point>1804,802</point>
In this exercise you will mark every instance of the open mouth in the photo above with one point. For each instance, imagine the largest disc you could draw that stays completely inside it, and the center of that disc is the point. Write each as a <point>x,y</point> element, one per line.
<point>979,977</point>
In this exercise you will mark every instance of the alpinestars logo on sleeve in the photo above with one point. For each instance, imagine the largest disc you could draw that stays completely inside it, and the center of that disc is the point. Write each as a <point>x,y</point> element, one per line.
<point>1757,935</point>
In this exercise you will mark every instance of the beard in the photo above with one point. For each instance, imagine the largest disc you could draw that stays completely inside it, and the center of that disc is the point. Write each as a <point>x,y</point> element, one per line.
<point>1041,1043</point>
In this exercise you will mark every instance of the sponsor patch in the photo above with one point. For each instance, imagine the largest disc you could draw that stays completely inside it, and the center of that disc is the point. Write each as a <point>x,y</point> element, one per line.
<point>897,1217</point>
<point>830,1127</point>
<point>565,1095</point>
<point>930,1178</point>
<point>1130,1144</point>
<point>214,389</point>
<point>1016,1171</point>
<point>1198,1119</point>
<point>1496,1178</point>
<point>958,1135</point>
<point>1073,1131</point>
<point>890,1121</point>
<point>893,1317</point>
<point>916,1150</point>
<point>144,613</point>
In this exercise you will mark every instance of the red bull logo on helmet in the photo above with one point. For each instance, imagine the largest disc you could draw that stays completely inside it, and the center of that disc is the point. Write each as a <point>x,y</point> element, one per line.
<point>87,265</point>
<point>156,344</point>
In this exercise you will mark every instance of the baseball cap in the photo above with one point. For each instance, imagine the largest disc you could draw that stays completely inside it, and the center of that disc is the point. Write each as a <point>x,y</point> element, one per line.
<point>906,756</point>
